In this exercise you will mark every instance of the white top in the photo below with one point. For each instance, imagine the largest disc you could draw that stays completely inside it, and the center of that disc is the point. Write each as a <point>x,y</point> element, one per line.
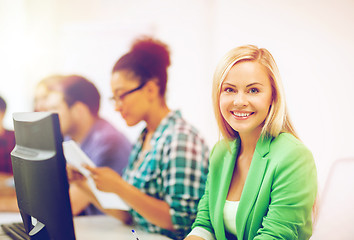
<point>230,209</point>
<point>203,233</point>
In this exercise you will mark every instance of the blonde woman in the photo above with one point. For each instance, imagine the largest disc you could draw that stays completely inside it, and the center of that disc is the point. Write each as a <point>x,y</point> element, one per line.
<point>262,180</point>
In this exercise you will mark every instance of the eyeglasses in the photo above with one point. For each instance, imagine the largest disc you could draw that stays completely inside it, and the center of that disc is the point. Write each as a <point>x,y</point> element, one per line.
<point>118,98</point>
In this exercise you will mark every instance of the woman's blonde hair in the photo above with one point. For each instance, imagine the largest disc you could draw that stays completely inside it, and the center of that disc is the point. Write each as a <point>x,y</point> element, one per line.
<point>277,120</point>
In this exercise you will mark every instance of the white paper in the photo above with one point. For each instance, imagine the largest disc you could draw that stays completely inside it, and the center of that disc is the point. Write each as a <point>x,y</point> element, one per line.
<point>76,157</point>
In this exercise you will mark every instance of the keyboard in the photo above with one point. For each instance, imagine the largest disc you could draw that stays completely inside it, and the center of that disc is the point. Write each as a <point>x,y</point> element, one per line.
<point>15,231</point>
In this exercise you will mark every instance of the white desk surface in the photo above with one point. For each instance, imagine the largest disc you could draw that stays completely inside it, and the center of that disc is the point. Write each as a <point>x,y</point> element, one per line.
<point>94,227</point>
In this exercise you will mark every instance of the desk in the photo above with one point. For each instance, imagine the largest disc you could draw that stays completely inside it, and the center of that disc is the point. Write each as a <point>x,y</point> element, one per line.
<point>93,228</point>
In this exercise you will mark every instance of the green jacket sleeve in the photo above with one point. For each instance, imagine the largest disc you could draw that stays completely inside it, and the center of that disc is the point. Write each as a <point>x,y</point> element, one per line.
<point>292,197</point>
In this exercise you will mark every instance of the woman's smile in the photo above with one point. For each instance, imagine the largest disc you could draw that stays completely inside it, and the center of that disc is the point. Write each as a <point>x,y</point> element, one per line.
<point>242,115</point>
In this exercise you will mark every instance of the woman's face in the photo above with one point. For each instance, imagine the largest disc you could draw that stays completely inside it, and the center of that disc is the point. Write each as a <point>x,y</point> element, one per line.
<point>246,97</point>
<point>129,96</point>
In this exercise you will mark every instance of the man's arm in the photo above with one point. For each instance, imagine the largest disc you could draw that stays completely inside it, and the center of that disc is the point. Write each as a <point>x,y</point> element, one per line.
<point>79,199</point>
<point>83,190</point>
<point>8,200</point>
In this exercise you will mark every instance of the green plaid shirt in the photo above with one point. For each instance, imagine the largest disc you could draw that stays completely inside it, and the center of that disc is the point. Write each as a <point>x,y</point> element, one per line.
<point>174,170</point>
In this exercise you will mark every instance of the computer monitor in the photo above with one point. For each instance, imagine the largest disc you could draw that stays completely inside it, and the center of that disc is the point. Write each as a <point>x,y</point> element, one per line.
<point>41,183</point>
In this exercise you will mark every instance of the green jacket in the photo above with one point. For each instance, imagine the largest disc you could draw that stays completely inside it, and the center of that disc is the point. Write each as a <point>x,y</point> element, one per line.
<point>278,195</point>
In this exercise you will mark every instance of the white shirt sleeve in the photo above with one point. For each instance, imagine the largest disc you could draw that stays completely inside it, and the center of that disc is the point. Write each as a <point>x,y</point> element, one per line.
<point>203,233</point>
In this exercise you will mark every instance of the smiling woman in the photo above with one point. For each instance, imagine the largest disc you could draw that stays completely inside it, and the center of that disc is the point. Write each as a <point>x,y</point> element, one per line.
<point>268,174</point>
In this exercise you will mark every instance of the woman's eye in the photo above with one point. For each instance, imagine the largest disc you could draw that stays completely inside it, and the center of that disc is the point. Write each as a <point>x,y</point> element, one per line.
<point>228,90</point>
<point>253,90</point>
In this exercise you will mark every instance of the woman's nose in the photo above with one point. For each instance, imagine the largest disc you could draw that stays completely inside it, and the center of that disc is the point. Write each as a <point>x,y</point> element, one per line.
<point>118,106</point>
<point>240,99</point>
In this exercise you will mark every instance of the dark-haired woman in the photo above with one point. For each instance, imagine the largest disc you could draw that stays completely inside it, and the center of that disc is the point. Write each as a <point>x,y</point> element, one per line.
<point>166,174</point>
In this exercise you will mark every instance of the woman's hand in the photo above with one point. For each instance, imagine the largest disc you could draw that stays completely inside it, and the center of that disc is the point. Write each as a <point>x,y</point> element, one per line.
<point>192,237</point>
<point>106,179</point>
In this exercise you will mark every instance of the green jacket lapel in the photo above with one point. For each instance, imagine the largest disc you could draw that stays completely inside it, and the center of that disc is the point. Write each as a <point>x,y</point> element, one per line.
<point>252,184</point>
<point>223,187</point>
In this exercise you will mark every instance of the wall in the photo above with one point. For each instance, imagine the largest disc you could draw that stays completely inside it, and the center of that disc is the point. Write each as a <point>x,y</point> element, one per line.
<point>310,40</point>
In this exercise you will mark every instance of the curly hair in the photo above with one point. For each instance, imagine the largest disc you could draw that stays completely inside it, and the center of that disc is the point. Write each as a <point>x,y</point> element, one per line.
<point>148,58</point>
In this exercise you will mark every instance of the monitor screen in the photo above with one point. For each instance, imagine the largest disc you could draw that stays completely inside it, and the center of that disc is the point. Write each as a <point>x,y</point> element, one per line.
<point>41,183</point>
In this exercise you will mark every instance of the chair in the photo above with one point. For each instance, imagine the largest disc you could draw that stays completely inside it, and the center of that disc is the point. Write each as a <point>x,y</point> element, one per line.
<point>336,210</point>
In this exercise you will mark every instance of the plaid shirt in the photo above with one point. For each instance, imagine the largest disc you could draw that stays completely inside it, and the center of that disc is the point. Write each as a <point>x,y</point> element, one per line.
<point>174,170</point>
<point>7,143</point>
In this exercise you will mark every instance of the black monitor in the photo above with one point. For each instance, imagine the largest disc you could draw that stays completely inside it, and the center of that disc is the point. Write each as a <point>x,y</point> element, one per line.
<point>41,183</point>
